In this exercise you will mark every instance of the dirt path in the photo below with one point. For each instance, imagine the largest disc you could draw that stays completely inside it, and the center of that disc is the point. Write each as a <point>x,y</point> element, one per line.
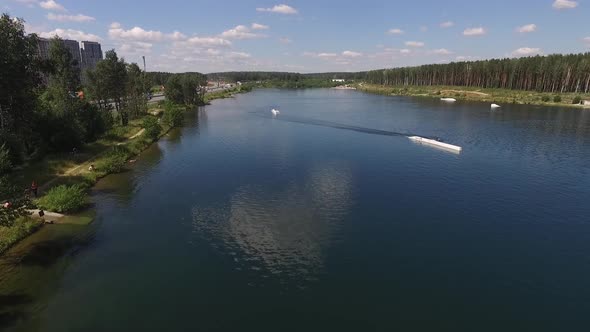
<point>85,164</point>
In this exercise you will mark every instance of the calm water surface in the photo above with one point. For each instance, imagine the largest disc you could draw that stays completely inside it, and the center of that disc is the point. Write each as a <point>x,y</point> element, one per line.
<point>325,219</point>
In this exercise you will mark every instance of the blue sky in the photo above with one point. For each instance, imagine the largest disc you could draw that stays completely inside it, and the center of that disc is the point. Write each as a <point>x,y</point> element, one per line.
<point>312,36</point>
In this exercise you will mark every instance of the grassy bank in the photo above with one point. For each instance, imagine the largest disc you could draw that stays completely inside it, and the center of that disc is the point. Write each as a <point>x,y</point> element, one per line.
<point>226,93</point>
<point>473,94</point>
<point>22,228</point>
<point>61,175</point>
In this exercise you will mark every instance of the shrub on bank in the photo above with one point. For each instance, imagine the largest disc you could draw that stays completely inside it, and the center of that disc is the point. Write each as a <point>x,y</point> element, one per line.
<point>21,228</point>
<point>113,161</point>
<point>152,128</point>
<point>577,100</point>
<point>557,99</point>
<point>545,99</point>
<point>173,116</point>
<point>63,199</point>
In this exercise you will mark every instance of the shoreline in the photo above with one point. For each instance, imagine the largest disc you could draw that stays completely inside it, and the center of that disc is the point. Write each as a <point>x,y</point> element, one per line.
<point>499,96</point>
<point>91,179</point>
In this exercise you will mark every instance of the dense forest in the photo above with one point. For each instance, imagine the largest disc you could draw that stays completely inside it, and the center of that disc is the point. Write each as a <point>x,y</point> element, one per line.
<point>553,73</point>
<point>161,78</point>
<point>253,76</point>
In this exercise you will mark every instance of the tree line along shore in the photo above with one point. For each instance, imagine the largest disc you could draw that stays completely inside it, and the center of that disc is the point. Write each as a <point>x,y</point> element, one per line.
<point>59,134</point>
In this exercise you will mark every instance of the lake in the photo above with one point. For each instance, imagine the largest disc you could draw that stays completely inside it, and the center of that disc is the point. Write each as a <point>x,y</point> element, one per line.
<point>328,218</point>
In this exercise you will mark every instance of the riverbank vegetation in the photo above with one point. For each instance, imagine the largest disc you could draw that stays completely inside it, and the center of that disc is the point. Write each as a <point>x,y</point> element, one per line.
<point>64,199</point>
<point>477,94</point>
<point>20,229</point>
<point>554,79</point>
<point>64,129</point>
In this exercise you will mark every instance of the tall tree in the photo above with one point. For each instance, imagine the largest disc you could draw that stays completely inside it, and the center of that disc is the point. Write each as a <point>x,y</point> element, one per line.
<point>136,89</point>
<point>19,83</point>
<point>108,84</point>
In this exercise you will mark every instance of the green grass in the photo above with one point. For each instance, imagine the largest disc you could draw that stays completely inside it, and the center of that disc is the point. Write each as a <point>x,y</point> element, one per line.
<point>64,198</point>
<point>475,94</point>
<point>22,228</point>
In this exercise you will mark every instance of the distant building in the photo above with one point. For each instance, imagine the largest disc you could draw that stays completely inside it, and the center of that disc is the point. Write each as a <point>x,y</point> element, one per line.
<point>43,48</point>
<point>86,57</point>
<point>340,80</point>
<point>91,54</point>
<point>71,45</point>
<point>74,48</point>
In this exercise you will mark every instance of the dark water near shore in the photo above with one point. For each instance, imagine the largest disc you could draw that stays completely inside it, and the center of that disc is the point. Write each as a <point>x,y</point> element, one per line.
<point>329,219</point>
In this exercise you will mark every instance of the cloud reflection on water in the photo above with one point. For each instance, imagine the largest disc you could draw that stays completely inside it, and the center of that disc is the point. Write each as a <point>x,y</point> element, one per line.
<point>284,231</point>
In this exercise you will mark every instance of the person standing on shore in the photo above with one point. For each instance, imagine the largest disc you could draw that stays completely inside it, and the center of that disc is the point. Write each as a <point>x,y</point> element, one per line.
<point>34,188</point>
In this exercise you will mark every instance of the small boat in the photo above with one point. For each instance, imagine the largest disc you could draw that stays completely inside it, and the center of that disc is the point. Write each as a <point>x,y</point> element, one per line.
<point>495,106</point>
<point>275,112</point>
<point>451,100</point>
<point>435,143</point>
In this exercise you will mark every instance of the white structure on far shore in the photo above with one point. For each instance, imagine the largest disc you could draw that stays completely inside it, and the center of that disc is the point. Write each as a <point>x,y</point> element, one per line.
<point>340,80</point>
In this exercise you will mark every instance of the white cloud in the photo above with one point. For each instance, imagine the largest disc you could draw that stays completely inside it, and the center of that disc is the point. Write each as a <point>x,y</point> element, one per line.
<point>280,9</point>
<point>70,18</point>
<point>586,40</point>
<point>466,58</point>
<point>257,26</point>
<point>351,54</point>
<point>115,25</point>
<point>474,32</point>
<point>52,5</point>
<point>208,42</point>
<point>565,4</point>
<point>442,51</point>
<point>285,40</point>
<point>526,51</point>
<point>238,55</point>
<point>414,44</point>
<point>405,51</point>
<point>327,55</point>
<point>136,34</point>
<point>240,32</point>
<point>177,36</point>
<point>447,24</point>
<point>527,28</point>
<point>395,31</point>
<point>70,34</point>
<point>135,48</point>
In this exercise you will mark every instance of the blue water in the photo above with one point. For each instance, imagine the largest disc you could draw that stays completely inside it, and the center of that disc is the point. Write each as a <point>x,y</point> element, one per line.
<point>327,218</point>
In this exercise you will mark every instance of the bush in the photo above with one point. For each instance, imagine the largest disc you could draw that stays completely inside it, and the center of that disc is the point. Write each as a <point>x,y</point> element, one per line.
<point>64,199</point>
<point>577,100</point>
<point>557,99</point>
<point>152,128</point>
<point>545,99</point>
<point>114,161</point>
<point>173,116</point>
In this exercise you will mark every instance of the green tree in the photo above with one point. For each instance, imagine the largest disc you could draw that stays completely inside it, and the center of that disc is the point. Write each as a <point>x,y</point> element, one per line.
<point>152,128</point>
<point>108,84</point>
<point>19,84</point>
<point>173,115</point>
<point>174,89</point>
<point>136,89</point>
